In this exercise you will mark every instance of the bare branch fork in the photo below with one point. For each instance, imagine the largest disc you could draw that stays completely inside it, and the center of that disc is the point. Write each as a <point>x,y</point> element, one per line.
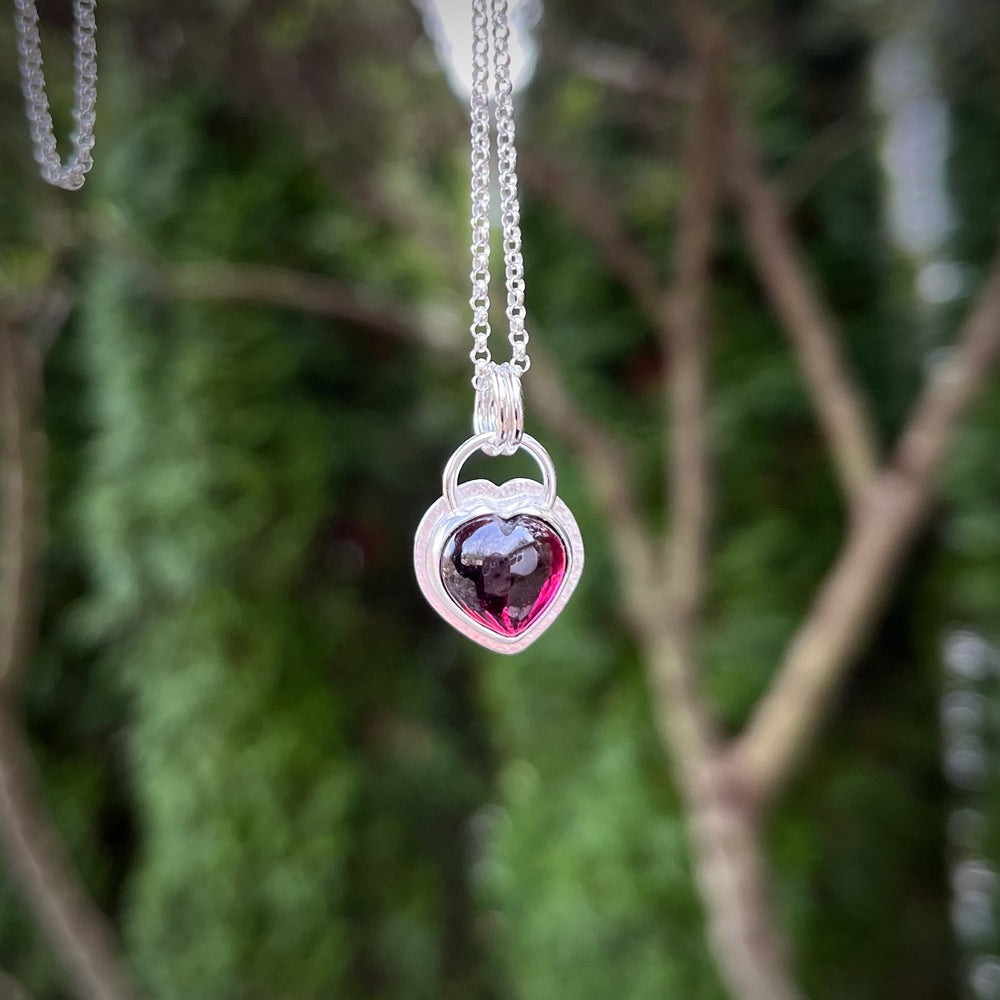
<point>891,513</point>
<point>888,503</point>
<point>38,860</point>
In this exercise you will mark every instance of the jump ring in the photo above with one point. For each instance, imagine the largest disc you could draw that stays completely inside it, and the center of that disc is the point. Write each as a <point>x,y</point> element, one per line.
<point>499,410</point>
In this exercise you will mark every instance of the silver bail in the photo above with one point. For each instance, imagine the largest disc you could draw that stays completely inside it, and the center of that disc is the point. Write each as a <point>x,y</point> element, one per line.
<point>499,409</point>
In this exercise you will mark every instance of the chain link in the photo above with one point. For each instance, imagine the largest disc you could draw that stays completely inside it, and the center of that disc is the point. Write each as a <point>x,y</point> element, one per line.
<point>491,18</point>
<point>72,175</point>
<point>510,210</point>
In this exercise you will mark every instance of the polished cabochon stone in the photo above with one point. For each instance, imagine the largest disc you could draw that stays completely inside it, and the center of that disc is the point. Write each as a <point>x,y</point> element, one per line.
<point>503,571</point>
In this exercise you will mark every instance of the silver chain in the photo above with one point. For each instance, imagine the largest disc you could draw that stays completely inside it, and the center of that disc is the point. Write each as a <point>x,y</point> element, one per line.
<point>72,175</point>
<point>490,18</point>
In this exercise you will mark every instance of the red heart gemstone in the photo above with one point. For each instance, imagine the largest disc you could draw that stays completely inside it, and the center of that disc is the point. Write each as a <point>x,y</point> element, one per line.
<point>503,572</point>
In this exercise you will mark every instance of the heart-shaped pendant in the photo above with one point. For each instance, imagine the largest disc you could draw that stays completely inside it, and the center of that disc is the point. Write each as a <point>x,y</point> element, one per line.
<point>499,562</point>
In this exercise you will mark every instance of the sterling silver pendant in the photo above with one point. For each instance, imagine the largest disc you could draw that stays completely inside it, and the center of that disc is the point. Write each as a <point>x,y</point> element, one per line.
<point>498,563</point>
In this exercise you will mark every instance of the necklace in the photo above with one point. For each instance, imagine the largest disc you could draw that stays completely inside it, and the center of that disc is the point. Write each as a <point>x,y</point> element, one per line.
<point>498,563</point>
<point>72,175</point>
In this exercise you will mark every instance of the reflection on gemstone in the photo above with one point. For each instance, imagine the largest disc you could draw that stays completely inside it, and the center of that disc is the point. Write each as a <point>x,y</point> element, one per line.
<point>503,572</point>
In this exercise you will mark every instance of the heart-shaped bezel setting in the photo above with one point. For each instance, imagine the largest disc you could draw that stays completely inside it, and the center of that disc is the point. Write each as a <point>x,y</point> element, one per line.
<point>501,563</point>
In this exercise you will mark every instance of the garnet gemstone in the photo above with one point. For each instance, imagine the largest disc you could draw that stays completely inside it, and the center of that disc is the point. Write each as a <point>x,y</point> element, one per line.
<point>503,572</point>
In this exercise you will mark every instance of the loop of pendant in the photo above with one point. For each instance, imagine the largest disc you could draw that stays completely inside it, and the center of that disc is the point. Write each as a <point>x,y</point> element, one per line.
<point>499,409</point>
<point>479,442</point>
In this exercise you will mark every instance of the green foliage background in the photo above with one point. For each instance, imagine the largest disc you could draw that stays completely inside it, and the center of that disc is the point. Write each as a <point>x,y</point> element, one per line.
<point>276,770</point>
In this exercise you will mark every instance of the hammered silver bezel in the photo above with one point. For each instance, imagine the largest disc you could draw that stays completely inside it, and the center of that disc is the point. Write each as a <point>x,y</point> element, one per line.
<point>480,496</point>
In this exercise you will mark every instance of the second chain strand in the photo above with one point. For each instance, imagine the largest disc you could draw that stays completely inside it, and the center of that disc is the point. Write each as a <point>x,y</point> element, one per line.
<point>490,22</point>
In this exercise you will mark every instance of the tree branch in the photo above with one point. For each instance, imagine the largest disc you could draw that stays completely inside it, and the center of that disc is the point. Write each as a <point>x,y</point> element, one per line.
<point>20,509</point>
<point>627,70</point>
<point>600,455</point>
<point>79,934</point>
<point>891,513</point>
<point>727,862</point>
<point>278,286</point>
<point>819,155</point>
<point>593,211</point>
<point>683,717</point>
<point>39,862</point>
<point>841,410</point>
<point>11,989</point>
<point>584,202</point>
<point>686,345</point>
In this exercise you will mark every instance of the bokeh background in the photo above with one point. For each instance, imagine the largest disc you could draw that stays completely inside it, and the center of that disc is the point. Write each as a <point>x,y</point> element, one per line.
<point>275,770</point>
